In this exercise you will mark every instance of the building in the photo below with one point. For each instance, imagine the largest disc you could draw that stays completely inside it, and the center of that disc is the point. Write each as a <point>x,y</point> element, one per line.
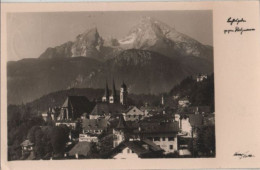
<point>136,150</point>
<point>188,123</point>
<point>106,110</point>
<point>113,98</point>
<point>27,147</point>
<point>175,97</point>
<point>94,126</point>
<point>120,132</point>
<point>74,107</point>
<point>72,124</point>
<point>105,98</point>
<point>184,102</point>
<point>150,110</point>
<point>81,150</point>
<point>88,137</point>
<point>162,100</point>
<point>51,114</point>
<point>201,77</point>
<point>162,134</point>
<point>123,94</point>
<point>133,114</point>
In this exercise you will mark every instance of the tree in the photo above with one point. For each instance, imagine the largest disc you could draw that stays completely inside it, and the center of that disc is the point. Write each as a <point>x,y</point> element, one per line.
<point>59,138</point>
<point>204,144</point>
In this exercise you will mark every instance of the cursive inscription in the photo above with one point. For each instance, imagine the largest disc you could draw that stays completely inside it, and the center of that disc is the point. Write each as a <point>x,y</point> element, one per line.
<point>236,26</point>
<point>243,155</point>
<point>236,20</point>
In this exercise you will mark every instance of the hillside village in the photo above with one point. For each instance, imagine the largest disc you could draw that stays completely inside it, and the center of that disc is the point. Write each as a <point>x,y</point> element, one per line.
<point>180,126</point>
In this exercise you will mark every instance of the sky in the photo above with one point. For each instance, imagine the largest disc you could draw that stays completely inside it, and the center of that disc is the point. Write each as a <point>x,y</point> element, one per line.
<point>30,34</point>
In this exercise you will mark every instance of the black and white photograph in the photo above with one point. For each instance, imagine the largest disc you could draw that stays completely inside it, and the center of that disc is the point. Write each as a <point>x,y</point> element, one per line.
<point>110,85</point>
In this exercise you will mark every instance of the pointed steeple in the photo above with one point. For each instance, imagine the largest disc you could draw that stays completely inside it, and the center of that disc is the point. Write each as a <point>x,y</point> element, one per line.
<point>113,89</point>
<point>105,98</point>
<point>121,124</point>
<point>106,90</point>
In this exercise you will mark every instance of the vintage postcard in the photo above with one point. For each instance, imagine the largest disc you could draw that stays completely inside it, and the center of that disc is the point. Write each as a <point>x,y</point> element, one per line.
<point>130,85</point>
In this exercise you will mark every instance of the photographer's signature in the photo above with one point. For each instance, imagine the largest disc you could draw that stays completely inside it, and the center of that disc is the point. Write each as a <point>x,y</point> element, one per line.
<point>243,155</point>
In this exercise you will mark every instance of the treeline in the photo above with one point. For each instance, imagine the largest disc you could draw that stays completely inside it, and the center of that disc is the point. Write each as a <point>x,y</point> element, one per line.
<point>57,98</point>
<point>199,93</point>
<point>20,120</point>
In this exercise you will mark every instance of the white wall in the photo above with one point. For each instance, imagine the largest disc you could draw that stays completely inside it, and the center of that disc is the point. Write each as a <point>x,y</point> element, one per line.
<point>126,154</point>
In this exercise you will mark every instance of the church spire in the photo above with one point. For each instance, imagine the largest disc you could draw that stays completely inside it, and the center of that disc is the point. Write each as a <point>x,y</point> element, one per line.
<point>113,89</point>
<point>105,98</point>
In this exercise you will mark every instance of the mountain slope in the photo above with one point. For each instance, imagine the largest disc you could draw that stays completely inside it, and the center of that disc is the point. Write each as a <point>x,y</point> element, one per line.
<point>152,58</point>
<point>143,71</point>
<point>151,34</point>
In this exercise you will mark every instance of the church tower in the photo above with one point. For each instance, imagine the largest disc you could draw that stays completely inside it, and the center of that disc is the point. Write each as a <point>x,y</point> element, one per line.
<point>123,94</point>
<point>113,97</point>
<point>105,98</point>
<point>162,101</point>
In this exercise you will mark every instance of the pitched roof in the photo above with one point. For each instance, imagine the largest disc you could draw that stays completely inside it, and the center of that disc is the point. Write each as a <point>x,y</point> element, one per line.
<point>113,89</point>
<point>106,94</point>
<point>134,111</point>
<point>137,147</point>
<point>121,124</point>
<point>27,143</point>
<point>159,128</point>
<point>123,85</point>
<point>81,148</point>
<point>76,102</point>
<point>205,109</point>
<point>79,105</point>
<point>94,124</point>
<point>106,108</point>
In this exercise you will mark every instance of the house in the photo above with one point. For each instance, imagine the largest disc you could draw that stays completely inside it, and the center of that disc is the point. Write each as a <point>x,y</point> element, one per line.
<point>150,110</point>
<point>106,110</point>
<point>184,102</point>
<point>81,150</point>
<point>199,109</point>
<point>88,137</point>
<point>163,134</point>
<point>201,77</point>
<point>27,147</point>
<point>189,122</point>
<point>175,97</point>
<point>120,132</point>
<point>135,150</point>
<point>51,114</point>
<point>133,114</point>
<point>184,145</point>
<point>69,123</point>
<point>91,129</point>
<point>74,107</point>
<point>94,126</point>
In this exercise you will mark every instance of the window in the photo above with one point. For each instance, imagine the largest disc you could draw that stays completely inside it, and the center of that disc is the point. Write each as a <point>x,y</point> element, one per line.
<point>128,151</point>
<point>171,147</point>
<point>163,138</point>
<point>156,138</point>
<point>171,138</point>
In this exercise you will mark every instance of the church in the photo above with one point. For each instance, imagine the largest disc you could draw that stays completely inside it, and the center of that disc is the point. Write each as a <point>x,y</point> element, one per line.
<point>113,98</point>
<point>112,105</point>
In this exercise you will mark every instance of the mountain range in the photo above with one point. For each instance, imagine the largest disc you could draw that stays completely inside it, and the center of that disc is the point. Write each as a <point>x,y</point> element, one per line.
<point>150,59</point>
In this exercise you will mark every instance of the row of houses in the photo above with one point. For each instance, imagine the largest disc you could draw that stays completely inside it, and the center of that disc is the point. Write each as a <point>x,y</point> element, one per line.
<point>137,132</point>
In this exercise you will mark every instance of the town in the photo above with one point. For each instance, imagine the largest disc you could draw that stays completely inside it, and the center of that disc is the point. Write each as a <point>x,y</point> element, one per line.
<point>114,129</point>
